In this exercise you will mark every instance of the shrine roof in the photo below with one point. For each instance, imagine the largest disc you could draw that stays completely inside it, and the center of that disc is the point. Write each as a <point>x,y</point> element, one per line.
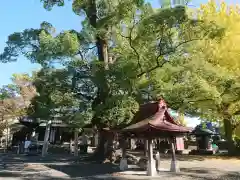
<point>200,131</point>
<point>155,118</point>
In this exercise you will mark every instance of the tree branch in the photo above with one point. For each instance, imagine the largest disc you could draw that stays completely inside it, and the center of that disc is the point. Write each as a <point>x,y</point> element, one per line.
<point>199,100</point>
<point>165,53</point>
<point>130,42</point>
<point>91,48</point>
<point>81,54</point>
<point>89,98</point>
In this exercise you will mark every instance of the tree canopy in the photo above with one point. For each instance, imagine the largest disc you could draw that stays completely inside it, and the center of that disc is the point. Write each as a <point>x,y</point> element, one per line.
<point>128,53</point>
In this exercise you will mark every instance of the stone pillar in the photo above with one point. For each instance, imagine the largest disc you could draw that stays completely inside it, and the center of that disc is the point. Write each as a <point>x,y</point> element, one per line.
<point>123,162</point>
<point>151,168</point>
<point>52,135</point>
<point>18,148</point>
<point>46,137</point>
<point>71,147</point>
<point>158,162</point>
<point>133,144</point>
<point>96,139</point>
<point>174,163</point>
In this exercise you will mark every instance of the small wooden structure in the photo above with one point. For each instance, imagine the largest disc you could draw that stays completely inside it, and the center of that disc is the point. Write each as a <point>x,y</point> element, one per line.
<point>59,131</point>
<point>203,137</point>
<point>156,124</point>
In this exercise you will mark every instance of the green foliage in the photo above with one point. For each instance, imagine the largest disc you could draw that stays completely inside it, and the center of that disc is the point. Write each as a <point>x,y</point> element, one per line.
<point>118,110</point>
<point>55,98</point>
<point>138,39</point>
<point>17,43</point>
<point>64,45</point>
<point>8,91</point>
<point>48,85</point>
<point>41,45</point>
<point>48,4</point>
<point>167,52</point>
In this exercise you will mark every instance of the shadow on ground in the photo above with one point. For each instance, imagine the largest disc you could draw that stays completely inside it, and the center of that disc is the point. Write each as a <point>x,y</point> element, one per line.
<point>51,158</point>
<point>14,166</point>
<point>6,174</point>
<point>86,169</point>
<point>91,170</point>
<point>199,170</point>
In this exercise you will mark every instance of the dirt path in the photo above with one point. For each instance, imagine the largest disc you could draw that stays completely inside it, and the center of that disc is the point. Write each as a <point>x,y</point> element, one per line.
<point>205,169</point>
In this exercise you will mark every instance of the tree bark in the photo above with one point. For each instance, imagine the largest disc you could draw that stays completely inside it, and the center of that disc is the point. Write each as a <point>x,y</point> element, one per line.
<point>103,90</point>
<point>229,135</point>
<point>6,140</point>
<point>105,151</point>
<point>76,142</point>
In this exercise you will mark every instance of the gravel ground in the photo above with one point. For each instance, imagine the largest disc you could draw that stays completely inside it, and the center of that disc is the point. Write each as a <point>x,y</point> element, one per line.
<point>195,169</point>
<point>26,168</point>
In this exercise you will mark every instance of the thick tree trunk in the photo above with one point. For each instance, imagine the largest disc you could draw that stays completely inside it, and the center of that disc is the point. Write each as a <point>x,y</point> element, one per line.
<point>105,149</point>
<point>110,151</point>
<point>103,90</point>
<point>100,151</point>
<point>229,135</point>
<point>76,142</point>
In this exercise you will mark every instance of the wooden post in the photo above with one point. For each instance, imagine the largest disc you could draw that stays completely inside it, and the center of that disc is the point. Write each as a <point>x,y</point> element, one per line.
<point>76,142</point>
<point>151,170</point>
<point>18,149</point>
<point>6,137</point>
<point>145,147</point>
<point>174,164</point>
<point>71,146</point>
<point>46,137</point>
<point>96,138</point>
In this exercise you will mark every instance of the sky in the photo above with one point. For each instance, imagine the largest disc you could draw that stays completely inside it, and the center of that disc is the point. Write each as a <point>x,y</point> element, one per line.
<point>18,15</point>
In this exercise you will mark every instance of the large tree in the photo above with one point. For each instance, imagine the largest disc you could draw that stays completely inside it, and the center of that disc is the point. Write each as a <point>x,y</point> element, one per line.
<point>113,60</point>
<point>222,54</point>
<point>205,80</point>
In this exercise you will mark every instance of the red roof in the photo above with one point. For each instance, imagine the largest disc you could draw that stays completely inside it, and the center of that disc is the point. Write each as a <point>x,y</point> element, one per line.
<point>155,118</point>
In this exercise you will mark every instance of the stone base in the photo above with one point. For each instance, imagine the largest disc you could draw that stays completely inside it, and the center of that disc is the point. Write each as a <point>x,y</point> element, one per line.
<point>174,167</point>
<point>157,157</point>
<point>123,164</point>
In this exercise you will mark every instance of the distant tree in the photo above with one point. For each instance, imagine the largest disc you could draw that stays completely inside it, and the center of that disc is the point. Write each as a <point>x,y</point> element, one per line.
<point>8,108</point>
<point>26,91</point>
